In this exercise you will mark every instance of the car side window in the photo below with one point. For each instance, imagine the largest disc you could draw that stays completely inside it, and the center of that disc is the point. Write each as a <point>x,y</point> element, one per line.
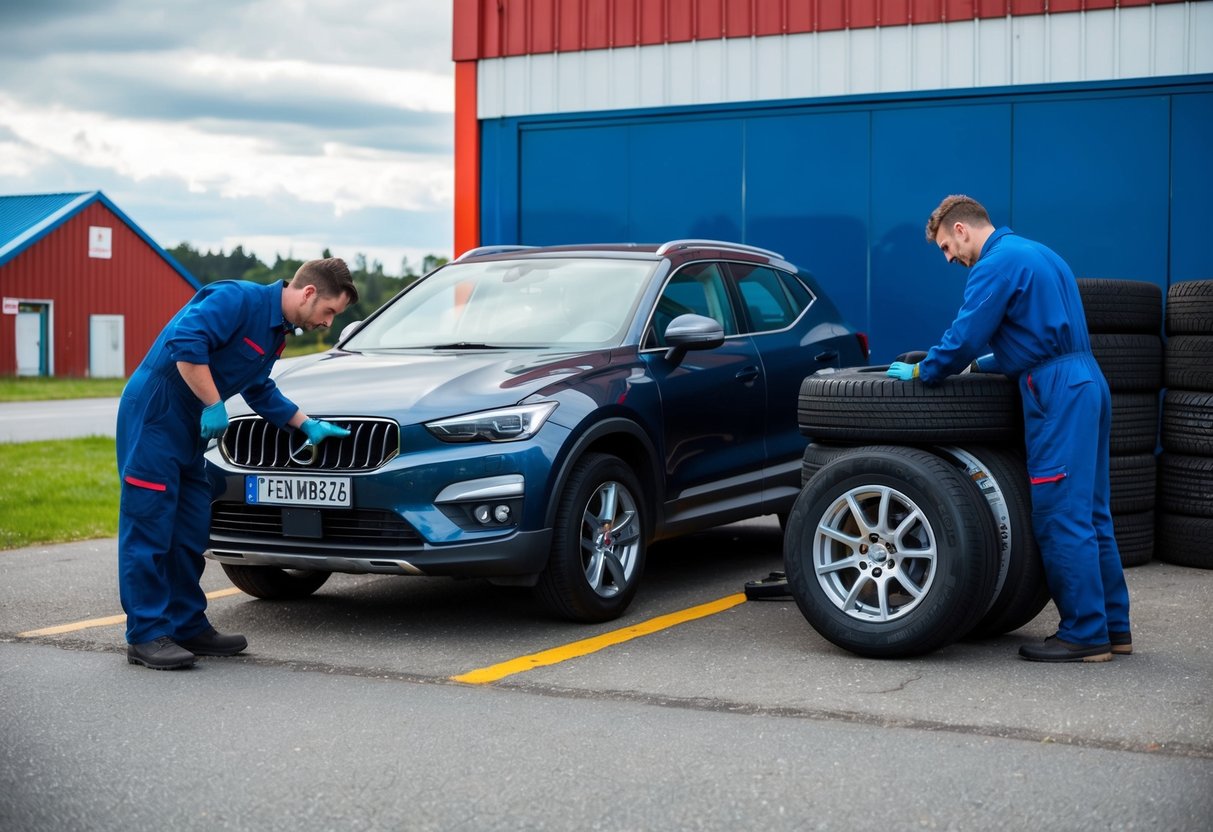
<point>697,289</point>
<point>773,300</point>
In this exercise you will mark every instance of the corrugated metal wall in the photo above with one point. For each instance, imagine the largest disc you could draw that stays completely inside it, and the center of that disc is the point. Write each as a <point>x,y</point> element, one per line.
<point>843,187</point>
<point>135,282</point>
<point>500,28</point>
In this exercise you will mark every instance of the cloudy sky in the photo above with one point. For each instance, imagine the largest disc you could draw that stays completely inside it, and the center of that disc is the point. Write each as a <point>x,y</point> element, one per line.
<point>282,125</point>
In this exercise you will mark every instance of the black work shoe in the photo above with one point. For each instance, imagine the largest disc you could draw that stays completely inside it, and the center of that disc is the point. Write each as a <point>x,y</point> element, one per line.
<point>213,643</point>
<point>1055,650</point>
<point>161,654</point>
<point>1122,643</point>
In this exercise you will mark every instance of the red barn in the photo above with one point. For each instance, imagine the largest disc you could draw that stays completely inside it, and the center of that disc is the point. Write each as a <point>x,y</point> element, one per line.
<point>85,290</point>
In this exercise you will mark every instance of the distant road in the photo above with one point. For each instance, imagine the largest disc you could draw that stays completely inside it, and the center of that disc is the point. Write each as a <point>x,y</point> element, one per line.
<point>63,419</point>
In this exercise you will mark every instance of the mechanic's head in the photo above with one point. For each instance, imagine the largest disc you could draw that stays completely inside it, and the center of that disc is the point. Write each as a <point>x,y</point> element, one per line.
<point>320,291</point>
<point>960,227</point>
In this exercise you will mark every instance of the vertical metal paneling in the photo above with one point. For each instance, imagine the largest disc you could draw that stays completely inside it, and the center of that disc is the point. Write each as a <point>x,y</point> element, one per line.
<point>135,282</point>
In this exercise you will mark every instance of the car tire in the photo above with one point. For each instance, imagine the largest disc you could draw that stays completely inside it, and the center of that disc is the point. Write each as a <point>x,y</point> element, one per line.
<point>1020,591</point>
<point>891,505</point>
<point>1134,423</point>
<point>593,571</point>
<point>862,405</point>
<point>1190,308</point>
<point>1134,482</point>
<point>1134,537</point>
<point>1121,306</point>
<point>273,583</point>
<point>1187,422</point>
<point>1185,484</point>
<point>1190,362</point>
<point>817,455</point>
<point>1183,541</point>
<point>1129,362</point>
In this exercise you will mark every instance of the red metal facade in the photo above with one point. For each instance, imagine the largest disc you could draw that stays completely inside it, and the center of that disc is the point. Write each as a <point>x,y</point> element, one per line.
<point>501,28</point>
<point>135,282</point>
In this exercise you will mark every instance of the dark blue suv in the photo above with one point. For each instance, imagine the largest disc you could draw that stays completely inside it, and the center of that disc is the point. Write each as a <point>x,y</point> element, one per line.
<point>535,416</point>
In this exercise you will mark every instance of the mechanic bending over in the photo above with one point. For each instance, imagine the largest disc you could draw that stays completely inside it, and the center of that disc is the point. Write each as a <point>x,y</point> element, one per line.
<point>1022,300</point>
<point>223,342</point>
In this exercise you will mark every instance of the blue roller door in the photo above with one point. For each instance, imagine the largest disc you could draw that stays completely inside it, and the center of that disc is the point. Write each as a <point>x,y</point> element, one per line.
<point>1191,187</point>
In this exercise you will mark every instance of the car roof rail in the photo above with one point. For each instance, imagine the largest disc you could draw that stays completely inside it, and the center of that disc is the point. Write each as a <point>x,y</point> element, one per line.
<point>721,244</point>
<point>484,251</point>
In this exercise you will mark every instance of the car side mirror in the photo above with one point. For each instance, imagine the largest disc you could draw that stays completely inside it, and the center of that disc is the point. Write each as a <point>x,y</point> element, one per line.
<point>692,332</point>
<point>348,330</point>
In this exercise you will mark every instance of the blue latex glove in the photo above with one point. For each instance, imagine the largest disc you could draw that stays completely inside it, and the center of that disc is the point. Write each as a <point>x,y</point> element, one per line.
<point>318,430</point>
<point>903,371</point>
<point>214,421</point>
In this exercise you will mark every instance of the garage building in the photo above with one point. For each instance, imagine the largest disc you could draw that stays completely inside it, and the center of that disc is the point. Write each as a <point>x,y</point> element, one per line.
<point>828,132</point>
<point>85,290</point>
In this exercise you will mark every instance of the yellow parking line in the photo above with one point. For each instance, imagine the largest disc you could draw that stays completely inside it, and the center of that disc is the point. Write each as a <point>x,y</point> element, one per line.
<point>584,647</point>
<point>107,621</point>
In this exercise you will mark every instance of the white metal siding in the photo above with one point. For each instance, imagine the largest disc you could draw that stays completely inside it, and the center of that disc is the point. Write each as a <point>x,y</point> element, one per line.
<point>1107,44</point>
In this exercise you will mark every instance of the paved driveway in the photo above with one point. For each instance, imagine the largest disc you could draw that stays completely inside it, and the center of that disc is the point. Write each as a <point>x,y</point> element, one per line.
<point>63,419</point>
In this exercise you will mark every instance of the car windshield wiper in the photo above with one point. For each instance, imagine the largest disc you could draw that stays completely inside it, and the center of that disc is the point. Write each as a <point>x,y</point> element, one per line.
<point>467,345</point>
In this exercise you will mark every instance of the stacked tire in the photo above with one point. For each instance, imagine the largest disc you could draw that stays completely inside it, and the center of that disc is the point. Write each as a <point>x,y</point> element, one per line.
<point>1185,477</point>
<point>898,549</point>
<point>1124,319</point>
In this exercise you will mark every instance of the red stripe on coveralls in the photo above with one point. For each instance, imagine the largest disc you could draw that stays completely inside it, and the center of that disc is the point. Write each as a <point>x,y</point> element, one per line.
<point>250,342</point>
<point>154,486</point>
<point>1043,480</point>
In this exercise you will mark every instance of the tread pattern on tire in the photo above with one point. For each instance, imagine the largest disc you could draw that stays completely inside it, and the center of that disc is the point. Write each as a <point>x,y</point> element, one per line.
<point>865,405</point>
<point>1181,540</point>
<point>1185,484</point>
<point>1134,479</point>
<point>1190,308</point>
<point>1134,537</point>
<point>1113,305</point>
<point>1187,422</point>
<point>1129,362</point>
<point>1134,423</point>
<point>1190,362</point>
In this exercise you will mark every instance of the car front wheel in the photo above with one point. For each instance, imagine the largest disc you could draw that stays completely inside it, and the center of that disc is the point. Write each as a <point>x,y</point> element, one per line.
<point>275,584</point>
<point>598,542</point>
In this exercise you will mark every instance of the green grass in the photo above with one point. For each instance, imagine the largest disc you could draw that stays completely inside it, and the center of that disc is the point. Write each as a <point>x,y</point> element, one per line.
<point>53,492</point>
<point>13,389</point>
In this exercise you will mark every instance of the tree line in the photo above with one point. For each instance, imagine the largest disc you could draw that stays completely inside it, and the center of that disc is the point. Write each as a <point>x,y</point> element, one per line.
<point>375,287</point>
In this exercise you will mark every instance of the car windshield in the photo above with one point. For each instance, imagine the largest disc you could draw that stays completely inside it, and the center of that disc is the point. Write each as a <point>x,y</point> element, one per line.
<point>512,303</point>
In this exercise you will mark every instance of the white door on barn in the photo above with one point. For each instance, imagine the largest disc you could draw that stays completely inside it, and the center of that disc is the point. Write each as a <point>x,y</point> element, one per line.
<point>106,348</point>
<point>30,337</point>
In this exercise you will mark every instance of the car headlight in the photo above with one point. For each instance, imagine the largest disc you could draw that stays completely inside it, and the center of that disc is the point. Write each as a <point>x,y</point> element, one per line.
<point>505,425</point>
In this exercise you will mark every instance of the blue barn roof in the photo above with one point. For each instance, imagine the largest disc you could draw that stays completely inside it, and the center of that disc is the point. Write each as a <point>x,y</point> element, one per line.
<point>25,219</point>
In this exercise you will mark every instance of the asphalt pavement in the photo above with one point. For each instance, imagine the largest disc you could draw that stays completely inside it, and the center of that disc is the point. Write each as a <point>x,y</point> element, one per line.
<point>62,419</point>
<point>343,713</point>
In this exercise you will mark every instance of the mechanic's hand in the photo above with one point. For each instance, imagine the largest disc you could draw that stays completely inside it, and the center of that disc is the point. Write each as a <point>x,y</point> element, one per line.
<point>318,430</point>
<point>214,420</point>
<point>903,371</point>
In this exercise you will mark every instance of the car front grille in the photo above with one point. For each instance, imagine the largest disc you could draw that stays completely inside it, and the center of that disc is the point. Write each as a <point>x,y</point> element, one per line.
<point>358,526</point>
<point>252,442</point>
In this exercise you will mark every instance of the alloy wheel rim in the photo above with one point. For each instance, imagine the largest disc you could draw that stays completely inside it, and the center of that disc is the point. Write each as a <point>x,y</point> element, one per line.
<point>875,554</point>
<point>610,539</point>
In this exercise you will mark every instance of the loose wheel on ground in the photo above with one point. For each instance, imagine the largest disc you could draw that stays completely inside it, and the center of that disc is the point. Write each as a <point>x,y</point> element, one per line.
<point>891,551</point>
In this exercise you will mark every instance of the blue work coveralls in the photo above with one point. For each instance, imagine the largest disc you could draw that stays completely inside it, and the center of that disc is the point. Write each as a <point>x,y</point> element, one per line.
<point>237,328</point>
<point>1022,300</point>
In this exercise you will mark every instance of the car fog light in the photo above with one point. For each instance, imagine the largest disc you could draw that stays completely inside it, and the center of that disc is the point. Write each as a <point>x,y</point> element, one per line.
<point>501,514</point>
<point>482,514</point>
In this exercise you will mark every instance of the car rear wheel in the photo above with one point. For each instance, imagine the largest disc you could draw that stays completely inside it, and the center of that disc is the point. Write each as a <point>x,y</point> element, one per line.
<point>273,583</point>
<point>891,551</point>
<point>598,543</point>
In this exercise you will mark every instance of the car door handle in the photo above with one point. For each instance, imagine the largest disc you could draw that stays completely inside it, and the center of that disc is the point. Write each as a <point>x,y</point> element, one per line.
<point>828,355</point>
<point>747,374</point>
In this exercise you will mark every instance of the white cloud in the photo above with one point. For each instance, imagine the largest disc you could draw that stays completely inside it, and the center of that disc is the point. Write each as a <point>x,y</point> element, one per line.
<point>343,176</point>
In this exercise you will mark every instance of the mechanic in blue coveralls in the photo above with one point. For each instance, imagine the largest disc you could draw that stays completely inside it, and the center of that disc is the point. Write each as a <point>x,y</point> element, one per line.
<point>1021,299</point>
<point>223,342</point>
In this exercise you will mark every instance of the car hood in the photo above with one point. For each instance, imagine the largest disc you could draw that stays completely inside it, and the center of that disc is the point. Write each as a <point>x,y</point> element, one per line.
<point>419,385</point>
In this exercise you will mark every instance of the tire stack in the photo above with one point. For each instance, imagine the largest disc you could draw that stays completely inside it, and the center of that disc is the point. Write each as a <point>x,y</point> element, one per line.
<point>1185,481</point>
<point>1124,318</point>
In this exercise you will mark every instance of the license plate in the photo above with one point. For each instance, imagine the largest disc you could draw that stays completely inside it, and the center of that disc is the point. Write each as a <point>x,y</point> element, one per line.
<point>323,492</point>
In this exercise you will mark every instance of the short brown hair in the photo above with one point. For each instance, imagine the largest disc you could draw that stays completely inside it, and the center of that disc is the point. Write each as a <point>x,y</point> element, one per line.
<point>956,208</point>
<point>330,276</point>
